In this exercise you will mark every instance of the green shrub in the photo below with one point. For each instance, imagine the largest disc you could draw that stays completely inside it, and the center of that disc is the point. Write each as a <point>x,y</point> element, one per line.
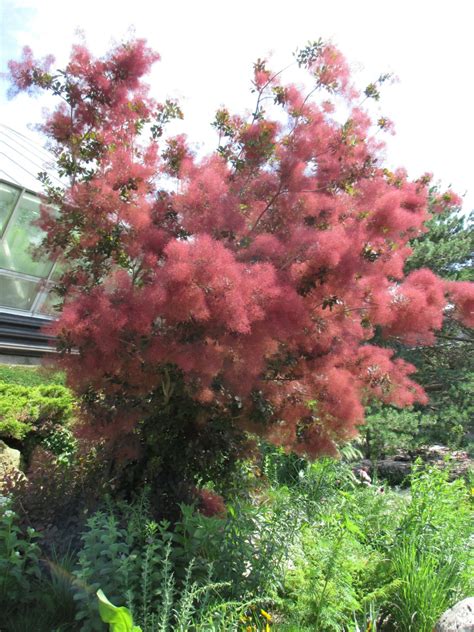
<point>329,553</point>
<point>311,485</point>
<point>377,512</point>
<point>187,611</point>
<point>33,414</point>
<point>448,420</point>
<point>19,558</point>
<point>438,516</point>
<point>133,558</point>
<point>35,590</point>
<point>340,576</point>
<point>58,496</point>
<point>144,566</point>
<point>321,586</point>
<point>340,573</point>
<point>51,607</point>
<point>250,547</point>
<point>387,430</point>
<point>108,560</point>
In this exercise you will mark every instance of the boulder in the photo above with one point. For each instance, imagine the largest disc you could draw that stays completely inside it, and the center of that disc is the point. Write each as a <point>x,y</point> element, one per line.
<point>459,618</point>
<point>395,469</point>
<point>395,472</point>
<point>9,457</point>
<point>10,464</point>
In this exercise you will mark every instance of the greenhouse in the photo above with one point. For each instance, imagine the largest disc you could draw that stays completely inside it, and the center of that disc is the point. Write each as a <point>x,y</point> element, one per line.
<point>25,279</point>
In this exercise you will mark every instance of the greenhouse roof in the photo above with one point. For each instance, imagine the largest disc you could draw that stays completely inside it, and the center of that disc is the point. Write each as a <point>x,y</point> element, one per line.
<point>22,158</point>
<point>25,279</point>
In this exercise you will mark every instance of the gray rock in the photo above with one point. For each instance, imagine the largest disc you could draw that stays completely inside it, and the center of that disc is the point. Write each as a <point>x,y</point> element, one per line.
<point>396,468</point>
<point>10,467</point>
<point>393,471</point>
<point>9,457</point>
<point>459,618</point>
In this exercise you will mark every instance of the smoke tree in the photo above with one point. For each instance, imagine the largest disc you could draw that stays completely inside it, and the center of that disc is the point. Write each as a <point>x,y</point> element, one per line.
<point>251,281</point>
<point>446,369</point>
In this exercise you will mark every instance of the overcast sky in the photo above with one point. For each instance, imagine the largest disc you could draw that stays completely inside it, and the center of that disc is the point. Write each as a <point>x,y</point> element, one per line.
<point>207,49</point>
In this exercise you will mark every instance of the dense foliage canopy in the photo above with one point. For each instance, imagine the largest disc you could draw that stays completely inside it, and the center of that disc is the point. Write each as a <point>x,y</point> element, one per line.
<point>253,279</point>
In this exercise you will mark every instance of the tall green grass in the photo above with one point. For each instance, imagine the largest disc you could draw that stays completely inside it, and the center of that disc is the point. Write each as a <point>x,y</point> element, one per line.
<point>30,375</point>
<point>432,555</point>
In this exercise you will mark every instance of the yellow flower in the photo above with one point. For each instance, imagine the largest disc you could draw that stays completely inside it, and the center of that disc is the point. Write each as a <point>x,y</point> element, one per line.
<point>266,615</point>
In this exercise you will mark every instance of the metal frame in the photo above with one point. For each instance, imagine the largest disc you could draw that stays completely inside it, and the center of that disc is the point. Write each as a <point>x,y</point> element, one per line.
<point>42,293</point>
<point>15,206</point>
<point>24,335</point>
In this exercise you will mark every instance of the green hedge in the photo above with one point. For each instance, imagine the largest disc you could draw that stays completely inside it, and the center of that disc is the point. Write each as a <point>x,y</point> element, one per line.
<point>28,409</point>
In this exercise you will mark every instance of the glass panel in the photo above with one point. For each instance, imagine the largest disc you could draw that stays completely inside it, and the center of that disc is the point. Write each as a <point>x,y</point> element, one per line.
<point>59,270</point>
<point>20,236</point>
<point>8,198</point>
<point>17,293</point>
<point>48,305</point>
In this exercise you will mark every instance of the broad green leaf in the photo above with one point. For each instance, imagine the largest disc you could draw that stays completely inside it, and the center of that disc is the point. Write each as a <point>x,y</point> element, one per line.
<point>119,618</point>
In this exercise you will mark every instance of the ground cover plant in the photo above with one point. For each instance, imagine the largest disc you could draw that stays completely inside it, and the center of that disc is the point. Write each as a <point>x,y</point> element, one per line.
<point>30,375</point>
